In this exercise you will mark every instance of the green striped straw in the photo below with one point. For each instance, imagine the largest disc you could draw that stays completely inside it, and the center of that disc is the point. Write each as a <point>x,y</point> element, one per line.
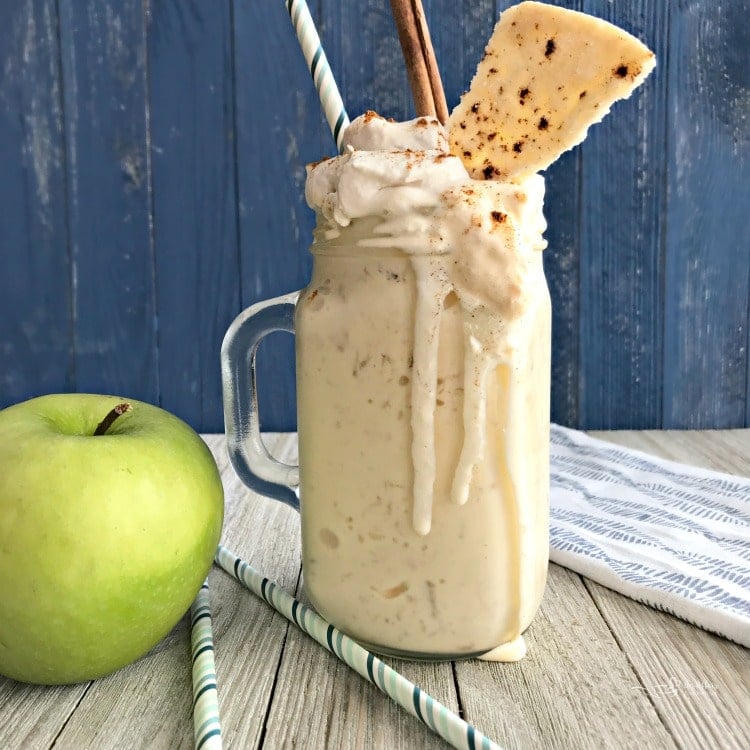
<point>430,712</point>
<point>206,723</point>
<point>317,62</point>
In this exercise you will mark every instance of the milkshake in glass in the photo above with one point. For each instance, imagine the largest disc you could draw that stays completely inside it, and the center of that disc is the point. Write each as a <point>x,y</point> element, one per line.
<point>423,350</point>
<point>423,376</point>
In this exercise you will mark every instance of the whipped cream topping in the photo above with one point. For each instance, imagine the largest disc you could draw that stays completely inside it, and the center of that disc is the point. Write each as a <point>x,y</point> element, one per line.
<point>384,183</point>
<point>371,132</point>
<point>403,173</point>
<point>478,238</point>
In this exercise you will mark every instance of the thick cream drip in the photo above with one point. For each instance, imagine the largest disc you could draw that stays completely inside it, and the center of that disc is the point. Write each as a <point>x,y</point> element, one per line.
<point>433,287</point>
<point>477,366</point>
<point>514,650</point>
<point>479,239</point>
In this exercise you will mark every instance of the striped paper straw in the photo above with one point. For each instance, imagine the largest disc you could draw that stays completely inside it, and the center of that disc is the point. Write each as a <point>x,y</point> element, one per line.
<point>206,723</point>
<point>430,712</point>
<point>317,62</point>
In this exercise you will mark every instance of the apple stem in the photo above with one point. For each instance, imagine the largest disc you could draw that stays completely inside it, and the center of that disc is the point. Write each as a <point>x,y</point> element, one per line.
<point>107,422</point>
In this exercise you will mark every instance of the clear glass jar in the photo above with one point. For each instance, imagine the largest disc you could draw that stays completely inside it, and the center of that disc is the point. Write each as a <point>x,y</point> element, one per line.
<point>474,581</point>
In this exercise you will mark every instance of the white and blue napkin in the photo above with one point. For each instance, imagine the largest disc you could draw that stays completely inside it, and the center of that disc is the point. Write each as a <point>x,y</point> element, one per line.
<point>669,535</point>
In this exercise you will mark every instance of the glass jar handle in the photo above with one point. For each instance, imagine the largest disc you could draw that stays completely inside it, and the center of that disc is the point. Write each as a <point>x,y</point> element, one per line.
<point>254,465</point>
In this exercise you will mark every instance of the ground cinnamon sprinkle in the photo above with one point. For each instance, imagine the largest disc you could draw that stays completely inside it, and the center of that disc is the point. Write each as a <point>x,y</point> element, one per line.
<point>314,164</point>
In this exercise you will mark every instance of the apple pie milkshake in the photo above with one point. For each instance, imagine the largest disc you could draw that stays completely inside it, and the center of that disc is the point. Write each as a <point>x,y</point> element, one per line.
<point>423,349</point>
<point>423,373</point>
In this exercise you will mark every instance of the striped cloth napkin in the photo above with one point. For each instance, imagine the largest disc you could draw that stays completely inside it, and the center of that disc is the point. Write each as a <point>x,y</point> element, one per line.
<point>672,536</point>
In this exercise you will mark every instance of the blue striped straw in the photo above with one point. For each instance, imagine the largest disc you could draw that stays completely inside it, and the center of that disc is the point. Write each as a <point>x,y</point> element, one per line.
<point>317,62</point>
<point>206,723</point>
<point>430,712</point>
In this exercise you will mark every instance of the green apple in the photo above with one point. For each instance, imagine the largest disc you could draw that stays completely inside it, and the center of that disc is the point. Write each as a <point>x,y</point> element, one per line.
<point>108,525</point>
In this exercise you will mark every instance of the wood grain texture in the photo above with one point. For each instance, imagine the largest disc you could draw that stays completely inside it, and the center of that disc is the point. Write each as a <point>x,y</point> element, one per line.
<point>621,305</point>
<point>319,702</point>
<point>574,689</point>
<point>279,130</point>
<point>35,270</point>
<point>602,670</point>
<point>708,222</point>
<point>249,635</point>
<point>676,666</point>
<point>362,46</point>
<point>191,98</point>
<point>108,176</point>
<point>31,716</point>
<point>459,33</point>
<point>720,450</point>
<point>152,185</point>
<point>562,265</point>
<point>108,715</point>
<point>681,668</point>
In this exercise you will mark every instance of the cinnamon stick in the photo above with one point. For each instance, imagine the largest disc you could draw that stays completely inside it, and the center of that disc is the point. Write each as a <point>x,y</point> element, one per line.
<point>436,84</point>
<point>421,65</point>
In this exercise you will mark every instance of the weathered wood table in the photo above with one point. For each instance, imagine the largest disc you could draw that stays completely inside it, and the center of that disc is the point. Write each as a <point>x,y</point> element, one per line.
<point>602,671</point>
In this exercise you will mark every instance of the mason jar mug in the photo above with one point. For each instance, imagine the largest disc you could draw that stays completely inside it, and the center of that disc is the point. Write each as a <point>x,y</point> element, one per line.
<point>408,546</point>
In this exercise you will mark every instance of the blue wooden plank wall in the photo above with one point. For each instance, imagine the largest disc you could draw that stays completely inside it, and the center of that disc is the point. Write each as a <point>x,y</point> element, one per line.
<point>152,160</point>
